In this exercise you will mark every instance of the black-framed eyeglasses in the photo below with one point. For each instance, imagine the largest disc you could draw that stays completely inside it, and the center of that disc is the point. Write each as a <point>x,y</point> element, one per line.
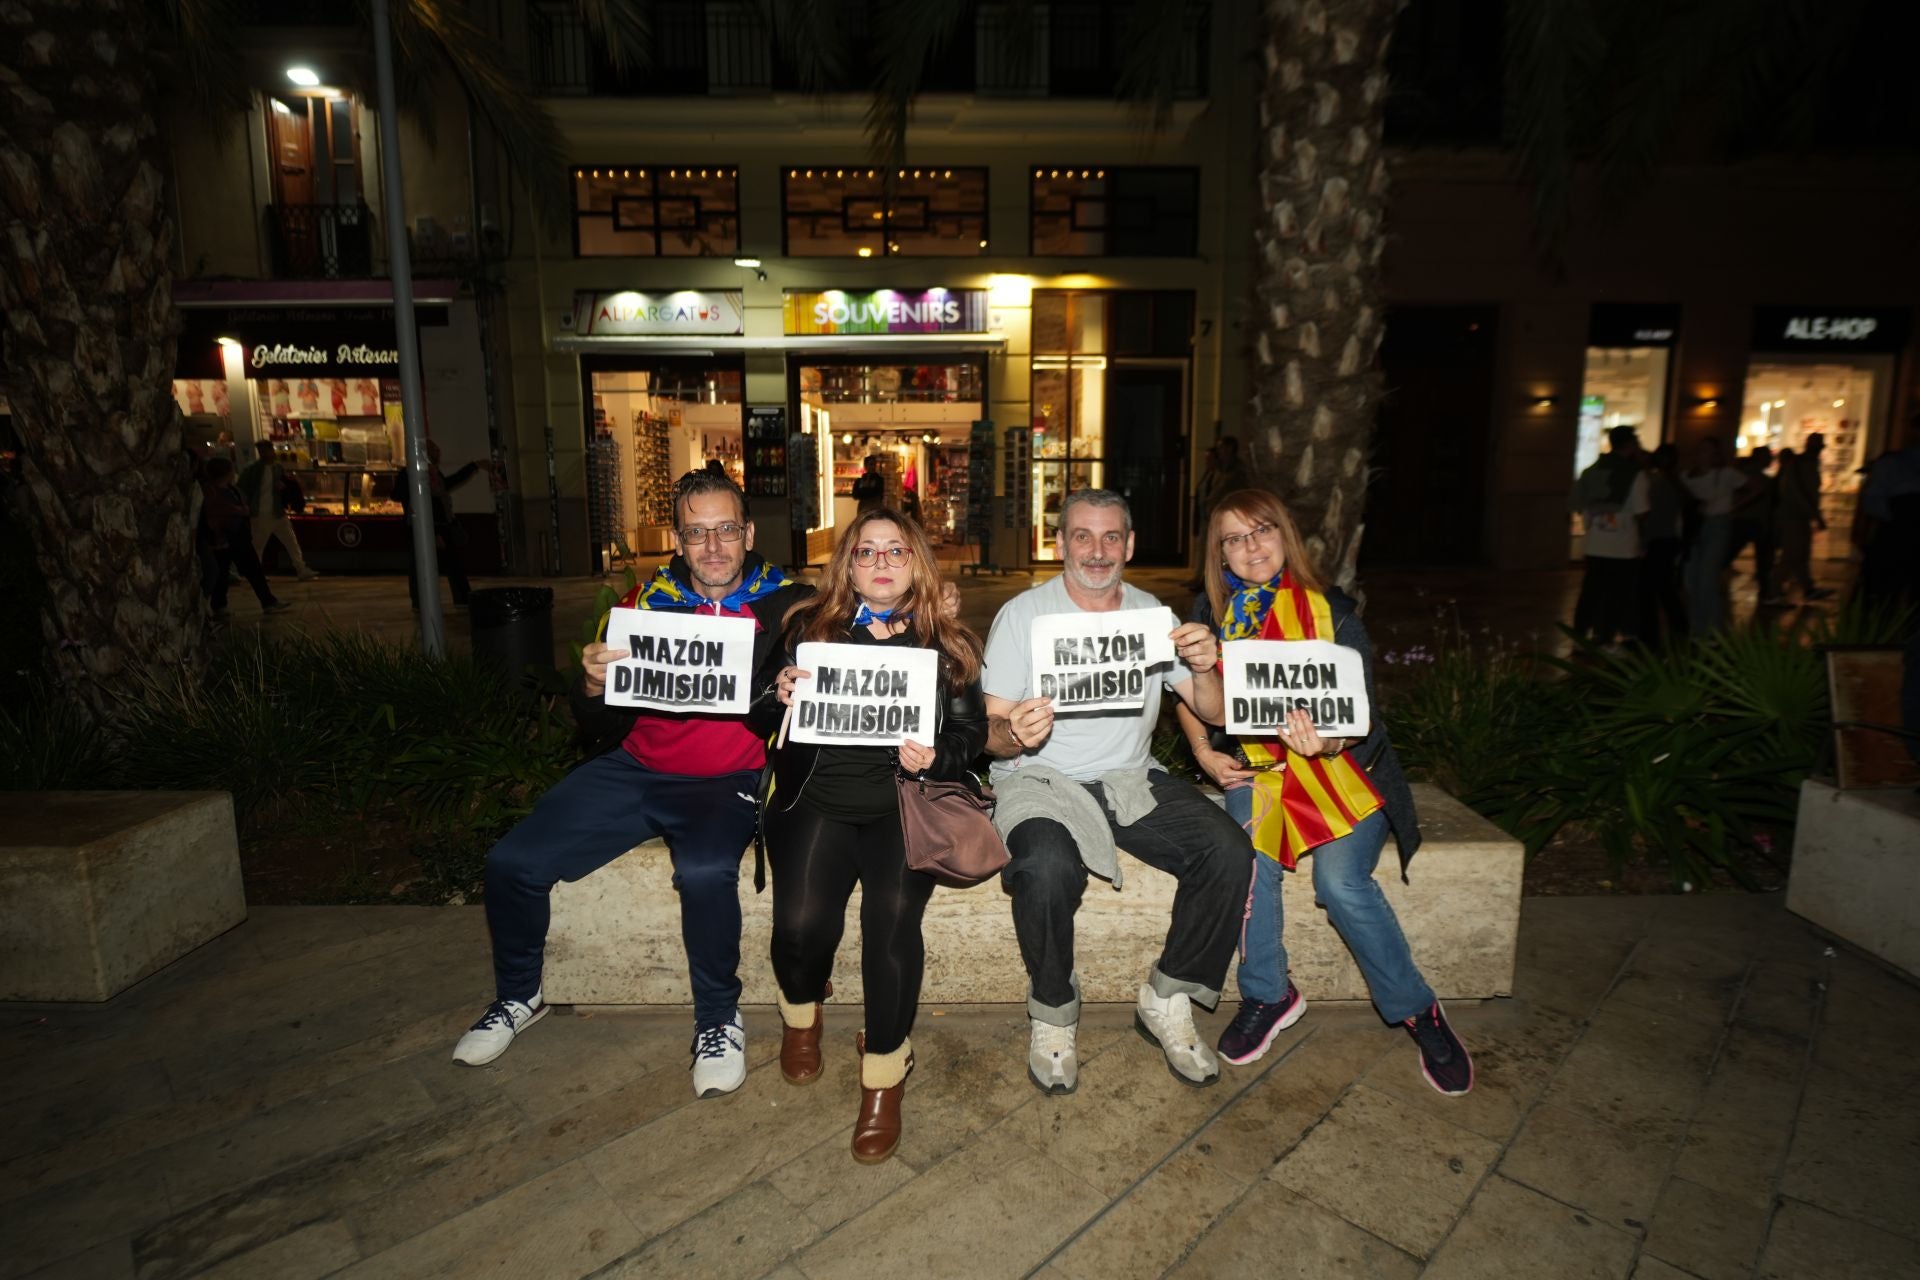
<point>694,534</point>
<point>896,556</point>
<point>1235,541</point>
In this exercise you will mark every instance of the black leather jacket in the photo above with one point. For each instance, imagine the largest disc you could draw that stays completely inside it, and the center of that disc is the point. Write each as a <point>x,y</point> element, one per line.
<point>959,737</point>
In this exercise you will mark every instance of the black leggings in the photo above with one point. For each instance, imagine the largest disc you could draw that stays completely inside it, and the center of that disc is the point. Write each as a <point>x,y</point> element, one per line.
<point>816,861</point>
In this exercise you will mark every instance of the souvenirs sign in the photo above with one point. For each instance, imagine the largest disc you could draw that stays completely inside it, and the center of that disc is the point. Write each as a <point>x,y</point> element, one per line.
<point>1265,679</point>
<point>687,662</point>
<point>862,695</point>
<point>1100,661</point>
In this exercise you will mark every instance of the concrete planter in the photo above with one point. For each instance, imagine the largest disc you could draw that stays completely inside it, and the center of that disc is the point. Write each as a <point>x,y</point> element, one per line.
<point>615,936</point>
<point>103,888</point>
<point>1856,868</point>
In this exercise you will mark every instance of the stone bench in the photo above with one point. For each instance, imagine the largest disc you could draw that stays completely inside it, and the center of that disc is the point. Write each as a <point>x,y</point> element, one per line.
<point>1856,868</point>
<point>103,888</point>
<point>615,937</point>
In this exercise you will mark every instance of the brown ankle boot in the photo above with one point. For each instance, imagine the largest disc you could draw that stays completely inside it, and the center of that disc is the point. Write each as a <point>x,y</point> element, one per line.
<point>799,1045</point>
<point>876,1131</point>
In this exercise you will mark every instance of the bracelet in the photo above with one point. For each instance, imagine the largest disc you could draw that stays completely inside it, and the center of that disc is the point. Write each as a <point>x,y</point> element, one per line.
<point>1015,734</point>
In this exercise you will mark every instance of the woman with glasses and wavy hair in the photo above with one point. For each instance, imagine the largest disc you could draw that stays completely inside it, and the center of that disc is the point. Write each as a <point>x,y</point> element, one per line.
<point>1298,793</point>
<point>833,818</point>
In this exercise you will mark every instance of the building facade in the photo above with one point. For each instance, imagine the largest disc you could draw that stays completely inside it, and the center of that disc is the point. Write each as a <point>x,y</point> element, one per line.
<point>1050,290</point>
<point>1032,301</point>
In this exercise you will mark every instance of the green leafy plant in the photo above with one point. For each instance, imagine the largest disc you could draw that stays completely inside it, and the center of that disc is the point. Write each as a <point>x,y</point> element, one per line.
<point>604,600</point>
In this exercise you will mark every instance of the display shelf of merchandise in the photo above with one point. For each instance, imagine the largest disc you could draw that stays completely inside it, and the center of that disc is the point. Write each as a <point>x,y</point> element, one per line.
<point>1018,480</point>
<point>606,503</point>
<point>652,471</point>
<point>766,453</point>
<point>348,491</point>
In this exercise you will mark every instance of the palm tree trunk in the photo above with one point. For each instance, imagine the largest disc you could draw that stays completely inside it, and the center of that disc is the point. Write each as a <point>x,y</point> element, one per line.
<point>87,287</point>
<point>1317,312</point>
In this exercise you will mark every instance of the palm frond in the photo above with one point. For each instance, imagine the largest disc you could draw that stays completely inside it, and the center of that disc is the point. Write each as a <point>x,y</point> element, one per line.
<point>495,88</point>
<point>814,37</point>
<point>1153,40</point>
<point>912,33</point>
<point>1552,50</point>
<point>622,28</point>
<point>200,49</point>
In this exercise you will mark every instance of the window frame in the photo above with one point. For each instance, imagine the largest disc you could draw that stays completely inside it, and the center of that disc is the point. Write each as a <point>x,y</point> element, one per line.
<point>789,171</point>
<point>653,202</point>
<point>1105,228</point>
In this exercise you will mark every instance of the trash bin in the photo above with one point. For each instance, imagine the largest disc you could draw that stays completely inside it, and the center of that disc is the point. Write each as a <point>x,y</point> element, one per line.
<point>513,630</point>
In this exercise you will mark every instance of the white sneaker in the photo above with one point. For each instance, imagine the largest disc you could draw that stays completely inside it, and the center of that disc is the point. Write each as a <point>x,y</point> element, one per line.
<point>1053,1064</point>
<point>720,1058</point>
<point>489,1037</point>
<point>1169,1024</point>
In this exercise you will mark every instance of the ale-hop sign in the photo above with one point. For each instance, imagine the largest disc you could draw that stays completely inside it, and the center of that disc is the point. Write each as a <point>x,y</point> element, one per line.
<point>1265,679</point>
<point>863,695</point>
<point>1100,661</point>
<point>687,662</point>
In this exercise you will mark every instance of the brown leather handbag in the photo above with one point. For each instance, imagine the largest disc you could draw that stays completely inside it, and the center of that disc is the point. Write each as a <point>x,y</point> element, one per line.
<point>948,831</point>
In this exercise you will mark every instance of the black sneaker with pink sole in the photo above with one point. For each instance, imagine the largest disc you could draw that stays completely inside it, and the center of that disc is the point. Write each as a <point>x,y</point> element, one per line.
<point>1443,1059</point>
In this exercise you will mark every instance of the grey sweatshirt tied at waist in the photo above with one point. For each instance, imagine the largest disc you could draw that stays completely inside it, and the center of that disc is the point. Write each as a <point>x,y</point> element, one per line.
<point>1041,791</point>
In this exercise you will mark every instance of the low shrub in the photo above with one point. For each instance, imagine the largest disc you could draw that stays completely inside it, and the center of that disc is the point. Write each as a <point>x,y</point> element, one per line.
<point>318,733</point>
<point>1689,758</point>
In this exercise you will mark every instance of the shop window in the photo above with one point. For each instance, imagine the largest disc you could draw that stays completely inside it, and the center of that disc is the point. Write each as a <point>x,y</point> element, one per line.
<point>1623,387</point>
<point>847,213</point>
<point>1138,213</point>
<point>656,213</point>
<point>1788,400</point>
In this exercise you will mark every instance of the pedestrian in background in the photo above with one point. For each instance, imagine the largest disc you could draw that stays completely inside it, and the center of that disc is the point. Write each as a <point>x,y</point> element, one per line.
<point>1718,488</point>
<point>1611,498</point>
<point>1796,518</point>
<point>226,536</point>
<point>1663,613</point>
<point>272,492</point>
<point>449,537</point>
<point>1753,518</point>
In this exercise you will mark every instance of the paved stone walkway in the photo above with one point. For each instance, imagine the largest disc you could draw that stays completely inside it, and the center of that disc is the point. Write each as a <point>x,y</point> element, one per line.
<point>1681,1086</point>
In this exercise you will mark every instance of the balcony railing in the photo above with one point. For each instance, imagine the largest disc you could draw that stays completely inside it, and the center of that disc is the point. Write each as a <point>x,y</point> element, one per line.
<point>321,241</point>
<point>1062,49</point>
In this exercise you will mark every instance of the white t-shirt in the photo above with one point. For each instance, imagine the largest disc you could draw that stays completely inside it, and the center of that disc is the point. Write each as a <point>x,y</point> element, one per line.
<point>1615,535</point>
<point>1086,744</point>
<point>1715,489</point>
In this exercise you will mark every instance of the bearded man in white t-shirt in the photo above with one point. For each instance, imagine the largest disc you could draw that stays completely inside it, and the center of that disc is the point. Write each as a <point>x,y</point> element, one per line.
<point>1073,786</point>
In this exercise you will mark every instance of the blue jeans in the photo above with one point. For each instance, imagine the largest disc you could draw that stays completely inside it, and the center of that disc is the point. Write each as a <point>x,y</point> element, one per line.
<point>1343,883</point>
<point>598,812</point>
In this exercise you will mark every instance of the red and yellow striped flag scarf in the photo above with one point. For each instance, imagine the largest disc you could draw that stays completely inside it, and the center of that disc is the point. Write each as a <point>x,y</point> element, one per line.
<point>1306,802</point>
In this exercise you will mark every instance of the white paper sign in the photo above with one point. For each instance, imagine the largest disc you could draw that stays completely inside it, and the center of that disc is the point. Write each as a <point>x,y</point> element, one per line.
<point>692,662</point>
<point>1265,679</point>
<point>1099,661</point>
<point>863,695</point>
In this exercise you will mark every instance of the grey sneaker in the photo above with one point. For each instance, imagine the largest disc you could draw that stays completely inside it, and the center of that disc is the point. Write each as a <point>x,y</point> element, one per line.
<point>1053,1064</point>
<point>488,1038</point>
<point>1168,1023</point>
<point>720,1058</point>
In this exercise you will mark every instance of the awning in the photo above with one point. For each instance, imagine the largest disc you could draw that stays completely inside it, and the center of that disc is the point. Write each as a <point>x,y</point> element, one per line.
<point>306,293</point>
<point>890,344</point>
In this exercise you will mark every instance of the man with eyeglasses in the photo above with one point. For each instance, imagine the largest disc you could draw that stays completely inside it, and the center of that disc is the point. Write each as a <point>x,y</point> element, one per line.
<point>690,779</point>
<point>1071,787</point>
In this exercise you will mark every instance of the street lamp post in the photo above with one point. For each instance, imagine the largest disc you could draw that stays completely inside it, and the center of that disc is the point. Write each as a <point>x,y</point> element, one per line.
<point>426,564</point>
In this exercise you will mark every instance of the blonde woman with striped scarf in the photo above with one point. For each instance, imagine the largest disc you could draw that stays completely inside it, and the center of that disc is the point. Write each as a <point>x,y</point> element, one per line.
<point>1299,795</point>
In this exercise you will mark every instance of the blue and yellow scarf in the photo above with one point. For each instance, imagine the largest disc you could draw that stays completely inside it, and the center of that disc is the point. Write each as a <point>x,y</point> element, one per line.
<point>665,590</point>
